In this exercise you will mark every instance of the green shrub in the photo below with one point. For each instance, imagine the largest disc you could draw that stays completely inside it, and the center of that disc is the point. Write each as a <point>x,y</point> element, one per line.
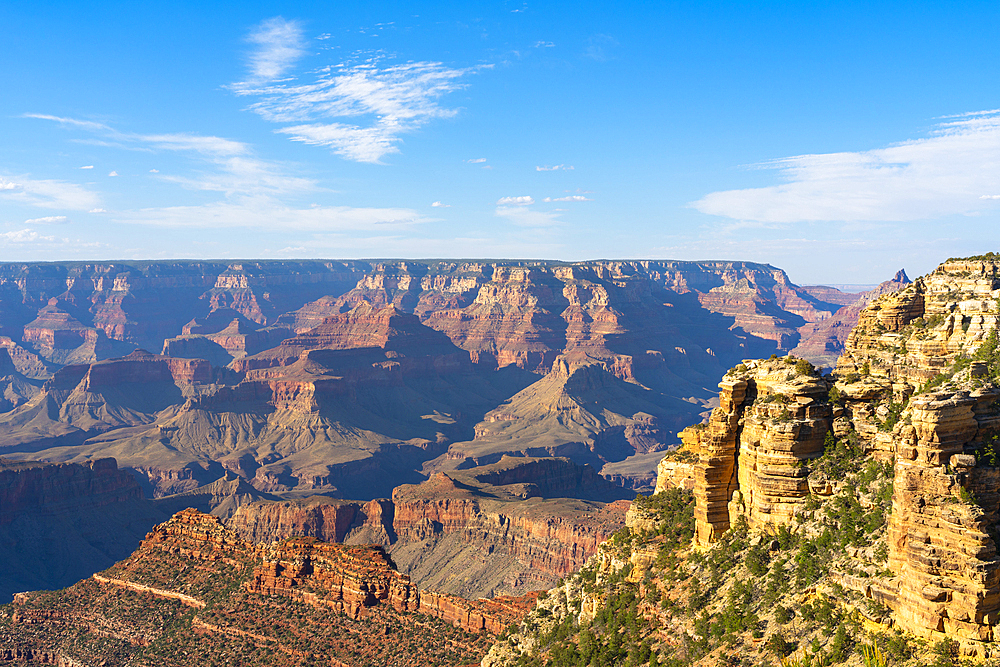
<point>779,646</point>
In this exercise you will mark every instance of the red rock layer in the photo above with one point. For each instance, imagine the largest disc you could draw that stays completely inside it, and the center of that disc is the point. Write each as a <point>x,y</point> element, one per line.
<point>345,578</point>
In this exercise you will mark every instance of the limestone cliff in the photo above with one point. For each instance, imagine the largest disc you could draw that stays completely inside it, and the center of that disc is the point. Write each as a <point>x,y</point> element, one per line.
<point>753,455</point>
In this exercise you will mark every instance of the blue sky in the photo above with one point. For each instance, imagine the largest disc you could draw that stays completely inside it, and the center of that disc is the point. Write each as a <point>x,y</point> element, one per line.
<point>839,141</point>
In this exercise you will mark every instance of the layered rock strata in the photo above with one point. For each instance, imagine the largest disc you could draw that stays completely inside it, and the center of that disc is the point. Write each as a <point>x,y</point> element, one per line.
<point>753,455</point>
<point>501,529</point>
<point>347,579</point>
<point>917,387</point>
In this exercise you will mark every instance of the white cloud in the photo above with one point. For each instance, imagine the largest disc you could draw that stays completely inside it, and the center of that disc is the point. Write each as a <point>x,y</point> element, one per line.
<point>438,204</point>
<point>526,217</point>
<point>182,141</point>
<point>569,198</point>
<point>476,160</point>
<point>942,174</point>
<point>555,168</point>
<point>361,144</point>
<point>244,176</point>
<point>280,44</point>
<point>84,124</point>
<point>97,210</point>
<point>47,220</point>
<point>515,201</point>
<point>990,197</point>
<point>388,102</point>
<point>232,169</point>
<point>46,193</point>
<point>546,45</point>
<point>89,166</point>
<point>26,236</point>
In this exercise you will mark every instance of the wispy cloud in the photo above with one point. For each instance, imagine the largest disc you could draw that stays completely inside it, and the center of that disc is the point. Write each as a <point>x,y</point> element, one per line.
<point>279,44</point>
<point>47,193</point>
<point>569,198</point>
<point>89,166</point>
<point>515,201</point>
<point>600,47</point>
<point>268,214</point>
<point>476,160</point>
<point>438,204</point>
<point>97,210</point>
<point>939,175</point>
<point>229,165</point>
<point>557,167</point>
<point>47,220</point>
<point>989,197</point>
<point>382,103</point>
<point>544,45</point>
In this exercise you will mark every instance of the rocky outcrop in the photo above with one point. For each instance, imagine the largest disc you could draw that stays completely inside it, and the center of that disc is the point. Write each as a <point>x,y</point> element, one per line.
<point>752,457</point>
<point>324,518</point>
<point>223,336</point>
<point>347,579</point>
<point>396,335</point>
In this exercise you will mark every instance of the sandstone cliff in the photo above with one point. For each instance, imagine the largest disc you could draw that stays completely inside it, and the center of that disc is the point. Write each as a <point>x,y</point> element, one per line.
<point>916,388</point>
<point>752,458</point>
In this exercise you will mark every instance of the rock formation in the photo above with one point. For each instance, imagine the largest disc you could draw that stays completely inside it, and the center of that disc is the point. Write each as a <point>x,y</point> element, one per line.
<point>502,529</point>
<point>917,387</point>
<point>346,604</point>
<point>753,455</point>
<point>223,336</point>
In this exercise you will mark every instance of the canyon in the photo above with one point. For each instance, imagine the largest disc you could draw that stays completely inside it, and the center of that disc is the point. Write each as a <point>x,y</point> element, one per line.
<point>351,378</point>
<point>468,429</point>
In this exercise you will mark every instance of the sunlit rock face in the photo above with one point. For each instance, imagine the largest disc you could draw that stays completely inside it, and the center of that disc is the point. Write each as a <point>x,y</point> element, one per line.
<point>753,455</point>
<point>917,384</point>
